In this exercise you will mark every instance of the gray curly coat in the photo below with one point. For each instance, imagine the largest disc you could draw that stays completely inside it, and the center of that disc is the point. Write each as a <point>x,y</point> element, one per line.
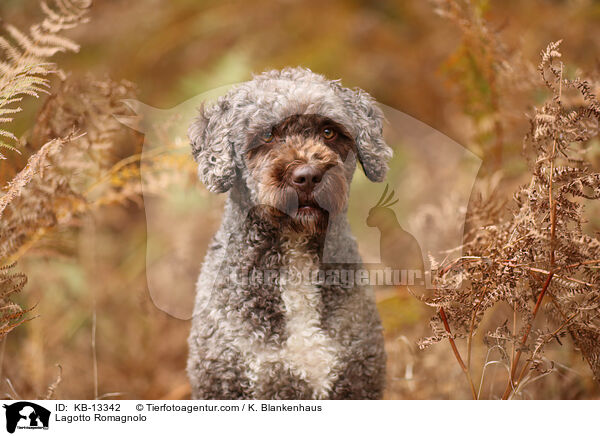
<point>277,338</point>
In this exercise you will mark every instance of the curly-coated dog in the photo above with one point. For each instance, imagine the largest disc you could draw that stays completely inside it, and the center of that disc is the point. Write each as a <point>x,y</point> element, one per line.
<point>273,319</point>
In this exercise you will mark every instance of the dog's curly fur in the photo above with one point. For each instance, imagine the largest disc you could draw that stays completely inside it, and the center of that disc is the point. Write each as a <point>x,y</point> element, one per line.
<point>257,332</point>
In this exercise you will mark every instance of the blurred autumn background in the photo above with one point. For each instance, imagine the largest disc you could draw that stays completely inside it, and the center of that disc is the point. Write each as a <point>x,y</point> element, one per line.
<point>84,325</point>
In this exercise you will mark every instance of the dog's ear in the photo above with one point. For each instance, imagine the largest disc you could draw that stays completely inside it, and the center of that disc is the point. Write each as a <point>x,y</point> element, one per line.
<point>210,135</point>
<point>373,152</point>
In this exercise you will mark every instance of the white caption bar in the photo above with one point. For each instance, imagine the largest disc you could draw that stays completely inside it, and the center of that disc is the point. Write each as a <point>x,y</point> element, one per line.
<point>310,418</point>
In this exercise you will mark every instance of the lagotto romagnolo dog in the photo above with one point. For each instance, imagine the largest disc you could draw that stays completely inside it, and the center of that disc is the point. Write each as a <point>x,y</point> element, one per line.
<point>266,324</point>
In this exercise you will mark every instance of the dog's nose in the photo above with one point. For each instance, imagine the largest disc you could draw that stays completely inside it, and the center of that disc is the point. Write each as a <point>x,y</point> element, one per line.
<point>306,177</point>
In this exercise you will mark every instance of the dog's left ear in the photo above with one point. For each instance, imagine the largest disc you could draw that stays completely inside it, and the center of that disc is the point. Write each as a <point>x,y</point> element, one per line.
<point>373,152</point>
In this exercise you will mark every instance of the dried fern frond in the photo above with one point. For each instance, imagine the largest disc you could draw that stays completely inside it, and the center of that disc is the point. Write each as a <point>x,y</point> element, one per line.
<point>588,338</point>
<point>53,188</point>
<point>35,166</point>
<point>24,68</point>
<point>11,315</point>
<point>535,259</point>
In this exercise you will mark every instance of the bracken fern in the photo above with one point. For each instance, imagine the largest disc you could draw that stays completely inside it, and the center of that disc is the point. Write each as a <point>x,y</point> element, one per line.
<point>24,68</point>
<point>537,259</point>
<point>11,315</point>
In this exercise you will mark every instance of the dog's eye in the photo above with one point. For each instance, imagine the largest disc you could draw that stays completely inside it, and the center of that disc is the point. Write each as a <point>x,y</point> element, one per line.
<point>328,133</point>
<point>267,137</point>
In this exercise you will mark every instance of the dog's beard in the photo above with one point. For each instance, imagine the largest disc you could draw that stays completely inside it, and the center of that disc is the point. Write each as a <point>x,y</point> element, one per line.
<point>304,213</point>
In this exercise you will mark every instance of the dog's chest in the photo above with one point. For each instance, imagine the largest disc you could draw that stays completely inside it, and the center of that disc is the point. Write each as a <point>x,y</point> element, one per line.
<point>307,351</point>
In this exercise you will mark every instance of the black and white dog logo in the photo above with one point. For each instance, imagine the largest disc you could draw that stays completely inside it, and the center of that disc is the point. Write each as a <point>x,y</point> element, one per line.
<point>26,415</point>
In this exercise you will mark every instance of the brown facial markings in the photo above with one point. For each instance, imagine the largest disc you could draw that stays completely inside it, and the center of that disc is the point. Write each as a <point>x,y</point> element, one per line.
<point>299,167</point>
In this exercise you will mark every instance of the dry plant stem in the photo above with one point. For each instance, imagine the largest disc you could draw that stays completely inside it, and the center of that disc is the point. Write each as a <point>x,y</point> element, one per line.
<point>2,350</point>
<point>470,340</point>
<point>526,366</point>
<point>511,385</point>
<point>457,353</point>
<point>575,265</point>
<point>87,249</point>
<point>54,385</point>
<point>550,196</point>
<point>514,332</point>
<point>470,337</point>
<point>513,369</point>
<point>497,148</point>
<point>94,354</point>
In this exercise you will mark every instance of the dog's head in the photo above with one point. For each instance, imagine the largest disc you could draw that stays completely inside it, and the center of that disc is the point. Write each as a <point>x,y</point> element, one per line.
<point>291,138</point>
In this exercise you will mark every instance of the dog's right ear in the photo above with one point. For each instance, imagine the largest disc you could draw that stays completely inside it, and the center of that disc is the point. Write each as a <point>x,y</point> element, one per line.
<point>212,146</point>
